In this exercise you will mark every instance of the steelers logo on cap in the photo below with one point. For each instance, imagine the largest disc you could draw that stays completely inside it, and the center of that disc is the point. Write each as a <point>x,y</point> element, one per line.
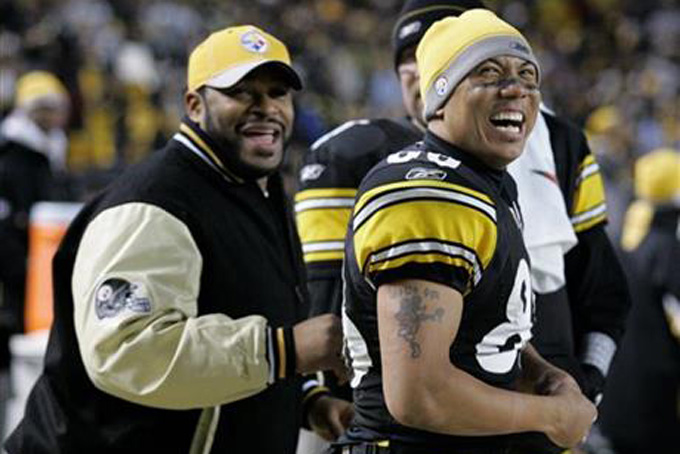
<point>441,85</point>
<point>254,42</point>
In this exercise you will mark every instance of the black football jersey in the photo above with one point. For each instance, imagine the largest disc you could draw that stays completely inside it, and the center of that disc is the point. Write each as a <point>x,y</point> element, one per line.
<point>329,178</point>
<point>435,213</point>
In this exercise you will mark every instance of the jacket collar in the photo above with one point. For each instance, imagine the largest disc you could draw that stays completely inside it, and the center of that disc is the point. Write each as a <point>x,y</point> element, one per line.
<point>195,139</point>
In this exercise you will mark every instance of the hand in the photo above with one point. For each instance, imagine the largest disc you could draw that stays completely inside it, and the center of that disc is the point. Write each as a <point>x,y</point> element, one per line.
<point>575,414</point>
<point>593,382</point>
<point>329,417</point>
<point>553,379</point>
<point>318,346</point>
<point>543,378</point>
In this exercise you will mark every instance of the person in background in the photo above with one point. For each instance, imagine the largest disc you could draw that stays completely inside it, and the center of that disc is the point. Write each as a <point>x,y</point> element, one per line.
<point>438,300</point>
<point>32,147</point>
<point>179,290</point>
<point>581,293</point>
<point>640,412</point>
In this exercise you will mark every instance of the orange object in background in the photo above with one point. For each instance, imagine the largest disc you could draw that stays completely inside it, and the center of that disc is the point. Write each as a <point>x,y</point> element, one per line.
<point>47,224</point>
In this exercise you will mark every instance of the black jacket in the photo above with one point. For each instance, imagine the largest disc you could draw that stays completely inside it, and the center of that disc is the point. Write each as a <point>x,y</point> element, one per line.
<point>250,265</point>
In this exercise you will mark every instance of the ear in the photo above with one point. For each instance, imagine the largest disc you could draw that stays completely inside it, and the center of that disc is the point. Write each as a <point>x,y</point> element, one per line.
<point>194,104</point>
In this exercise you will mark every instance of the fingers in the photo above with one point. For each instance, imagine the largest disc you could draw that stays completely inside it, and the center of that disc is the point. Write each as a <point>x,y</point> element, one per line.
<point>341,417</point>
<point>330,417</point>
<point>336,426</point>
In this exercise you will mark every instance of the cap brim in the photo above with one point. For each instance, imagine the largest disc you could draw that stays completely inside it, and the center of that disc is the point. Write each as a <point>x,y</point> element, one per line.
<point>232,76</point>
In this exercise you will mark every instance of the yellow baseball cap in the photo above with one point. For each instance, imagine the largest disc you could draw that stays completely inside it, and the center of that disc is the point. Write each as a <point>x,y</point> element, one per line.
<point>454,46</point>
<point>227,56</point>
<point>657,176</point>
<point>39,87</point>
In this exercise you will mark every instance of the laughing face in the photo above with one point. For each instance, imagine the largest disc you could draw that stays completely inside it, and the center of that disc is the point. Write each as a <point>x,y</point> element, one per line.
<point>251,120</point>
<point>492,111</point>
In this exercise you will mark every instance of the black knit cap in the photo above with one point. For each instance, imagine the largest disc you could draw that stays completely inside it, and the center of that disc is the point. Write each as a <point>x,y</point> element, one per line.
<point>416,16</point>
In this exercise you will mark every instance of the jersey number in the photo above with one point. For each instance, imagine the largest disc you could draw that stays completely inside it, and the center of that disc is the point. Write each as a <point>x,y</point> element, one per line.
<point>436,158</point>
<point>498,350</point>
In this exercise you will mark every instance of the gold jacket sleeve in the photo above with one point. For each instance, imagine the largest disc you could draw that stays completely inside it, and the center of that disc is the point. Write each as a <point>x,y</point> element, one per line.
<point>168,356</point>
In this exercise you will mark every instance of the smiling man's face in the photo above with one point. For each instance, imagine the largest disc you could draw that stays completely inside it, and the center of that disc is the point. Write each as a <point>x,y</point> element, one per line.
<point>492,111</point>
<point>251,120</point>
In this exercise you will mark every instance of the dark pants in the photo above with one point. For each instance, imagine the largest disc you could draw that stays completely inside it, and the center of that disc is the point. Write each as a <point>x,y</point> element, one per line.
<point>400,448</point>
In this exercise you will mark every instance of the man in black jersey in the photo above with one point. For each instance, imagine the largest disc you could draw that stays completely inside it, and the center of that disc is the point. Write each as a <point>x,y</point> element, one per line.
<point>333,169</point>
<point>641,405</point>
<point>581,292</point>
<point>437,297</point>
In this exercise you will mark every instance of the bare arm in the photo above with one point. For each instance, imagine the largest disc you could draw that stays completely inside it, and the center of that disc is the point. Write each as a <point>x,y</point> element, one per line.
<point>418,321</point>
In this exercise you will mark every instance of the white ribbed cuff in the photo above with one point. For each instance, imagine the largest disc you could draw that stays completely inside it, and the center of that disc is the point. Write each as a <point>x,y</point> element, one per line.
<point>599,351</point>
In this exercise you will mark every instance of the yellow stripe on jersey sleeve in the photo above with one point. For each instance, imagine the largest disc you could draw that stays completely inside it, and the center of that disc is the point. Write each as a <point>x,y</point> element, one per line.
<point>322,233</point>
<point>325,193</point>
<point>322,216</point>
<point>589,206</point>
<point>425,231</point>
<point>434,257</point>
<point>368,195</point>
<point>326,256</point>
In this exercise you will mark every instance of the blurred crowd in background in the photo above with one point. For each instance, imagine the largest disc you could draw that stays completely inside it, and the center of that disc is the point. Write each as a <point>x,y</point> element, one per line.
<point>613,66</point>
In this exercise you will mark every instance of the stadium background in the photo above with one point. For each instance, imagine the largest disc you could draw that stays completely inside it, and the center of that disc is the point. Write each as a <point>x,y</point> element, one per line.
<point>613,66</point>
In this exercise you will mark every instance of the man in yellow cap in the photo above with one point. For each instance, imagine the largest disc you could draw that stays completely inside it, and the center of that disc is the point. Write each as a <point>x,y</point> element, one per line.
<point>32,152</point>
<point>179,290</point>
<point>438,303</point>
<point>640,412</point>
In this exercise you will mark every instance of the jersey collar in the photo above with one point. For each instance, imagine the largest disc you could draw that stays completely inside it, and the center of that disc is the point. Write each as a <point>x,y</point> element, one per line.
<point>498,179</point>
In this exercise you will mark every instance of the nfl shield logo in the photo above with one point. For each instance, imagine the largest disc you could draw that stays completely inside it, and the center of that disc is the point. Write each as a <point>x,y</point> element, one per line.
<point>254,42</point>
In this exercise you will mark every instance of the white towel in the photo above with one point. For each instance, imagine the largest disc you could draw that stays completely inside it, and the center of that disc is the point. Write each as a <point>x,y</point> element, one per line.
<point>17,126</point>
<point>548,233</point>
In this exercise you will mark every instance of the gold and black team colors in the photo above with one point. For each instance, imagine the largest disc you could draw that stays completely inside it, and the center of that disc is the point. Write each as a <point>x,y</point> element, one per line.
<point>435,213</point>
<point>168,239</point>
<point>640,412</point>
<point>580,323</point>
<point>332,172</point>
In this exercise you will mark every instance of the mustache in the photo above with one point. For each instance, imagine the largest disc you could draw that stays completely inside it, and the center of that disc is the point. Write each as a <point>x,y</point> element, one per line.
<point>263,119</point>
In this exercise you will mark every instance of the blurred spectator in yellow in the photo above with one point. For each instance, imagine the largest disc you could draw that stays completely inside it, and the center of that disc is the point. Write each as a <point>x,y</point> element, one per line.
<point>32,145</point>
<point>640,413</point>
<point>610,139</point>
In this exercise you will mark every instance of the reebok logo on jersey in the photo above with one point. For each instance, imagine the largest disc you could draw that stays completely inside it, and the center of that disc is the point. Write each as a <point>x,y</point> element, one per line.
<point>115,295</point>
<point>311,172</point>
<point>550,176</point>
<point>422,173</point>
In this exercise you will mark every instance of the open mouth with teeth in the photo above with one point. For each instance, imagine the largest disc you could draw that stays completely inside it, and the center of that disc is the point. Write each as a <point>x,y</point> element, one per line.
<point>508,122</point>
<point>261,135</point>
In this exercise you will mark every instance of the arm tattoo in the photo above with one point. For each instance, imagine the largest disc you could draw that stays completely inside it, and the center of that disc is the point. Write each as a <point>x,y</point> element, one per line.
<point>413,312</point>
